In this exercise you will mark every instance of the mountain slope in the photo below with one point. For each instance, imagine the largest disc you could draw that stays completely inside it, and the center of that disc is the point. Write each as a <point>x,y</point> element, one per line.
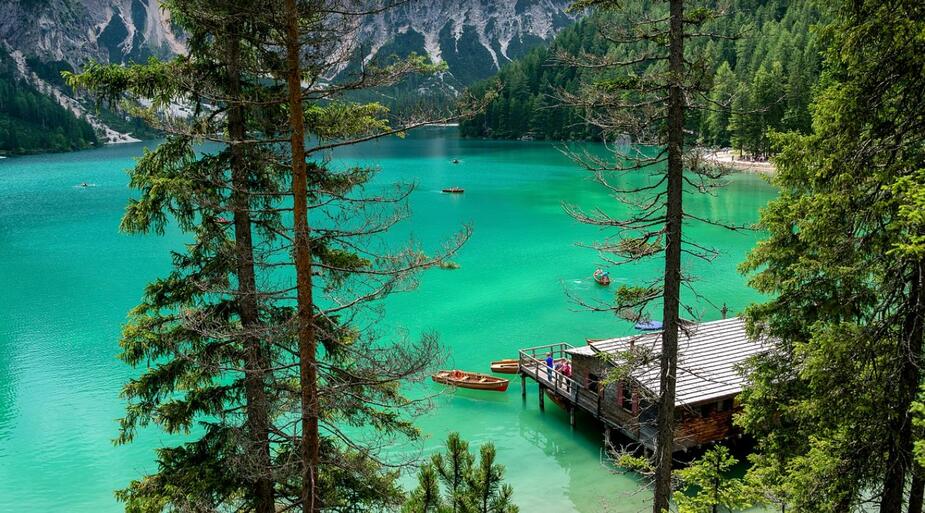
<point>45,37</point>
<point>30,121</point>
<point>768,75</point>
<point>75,31</point>
<point>473,37</point>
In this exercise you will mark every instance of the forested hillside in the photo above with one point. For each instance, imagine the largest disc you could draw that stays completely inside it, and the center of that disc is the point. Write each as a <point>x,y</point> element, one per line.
<point>765,77</point>
<point>31,122</point>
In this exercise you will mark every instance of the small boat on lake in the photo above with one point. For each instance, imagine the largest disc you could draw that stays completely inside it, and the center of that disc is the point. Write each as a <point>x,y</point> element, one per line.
<point>507,366</point>
<point>222,220</point>
<point>454,190</point>
<point>473,380</point>
<point>456,161</point>
<point>648,325</point>
<point>602,277</point>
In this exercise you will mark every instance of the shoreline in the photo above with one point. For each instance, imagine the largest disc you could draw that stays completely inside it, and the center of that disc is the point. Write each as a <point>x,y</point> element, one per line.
<point>727,158</point>
<point>46,151</point>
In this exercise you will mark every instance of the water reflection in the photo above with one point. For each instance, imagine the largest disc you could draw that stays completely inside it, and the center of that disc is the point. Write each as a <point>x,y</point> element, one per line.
<point>590,488</point>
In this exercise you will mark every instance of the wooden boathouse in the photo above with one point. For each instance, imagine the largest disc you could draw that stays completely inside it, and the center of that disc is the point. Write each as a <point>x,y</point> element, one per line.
<point>709,379</point>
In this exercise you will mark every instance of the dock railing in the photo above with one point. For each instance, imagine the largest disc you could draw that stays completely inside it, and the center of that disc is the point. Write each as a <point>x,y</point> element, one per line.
<point>532,362</point>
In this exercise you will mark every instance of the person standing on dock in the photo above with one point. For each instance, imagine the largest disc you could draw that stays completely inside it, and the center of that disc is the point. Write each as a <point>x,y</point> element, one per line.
<point>566,369</point>
<point>549,364</point>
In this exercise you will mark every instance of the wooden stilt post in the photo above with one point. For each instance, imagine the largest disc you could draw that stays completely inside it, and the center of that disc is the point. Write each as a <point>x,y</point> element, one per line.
<point>523,385</point>
<point>542,398</point>
<point>571,414</point>
<point>606,437</point>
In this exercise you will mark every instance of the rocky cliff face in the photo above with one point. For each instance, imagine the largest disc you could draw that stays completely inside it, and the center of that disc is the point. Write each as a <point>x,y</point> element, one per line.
<point>43,35</point>
<point>474,37</point>
<point>75,31</point>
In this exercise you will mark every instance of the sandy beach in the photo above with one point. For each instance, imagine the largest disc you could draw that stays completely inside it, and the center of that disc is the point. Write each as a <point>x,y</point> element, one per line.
<point>728,158</point>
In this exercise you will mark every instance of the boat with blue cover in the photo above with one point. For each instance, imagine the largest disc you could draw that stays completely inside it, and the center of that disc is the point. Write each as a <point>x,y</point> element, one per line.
<point>648,325</point>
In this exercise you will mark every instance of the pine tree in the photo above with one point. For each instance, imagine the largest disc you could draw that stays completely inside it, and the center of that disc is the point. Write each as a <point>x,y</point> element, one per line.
<point>778,32</point>
<point>453,469</point>
<point>707,488</point>
<point>641,100</point>
<point>223,344</point>
<point>716,121</point>
<point>470,486</point>
<point>831,406</point>
<point>487,491</point>
<point>350,273</point>
<point>202,326</point>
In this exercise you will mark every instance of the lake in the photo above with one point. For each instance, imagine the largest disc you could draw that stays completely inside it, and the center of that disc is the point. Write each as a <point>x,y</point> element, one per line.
<point>69,277</point>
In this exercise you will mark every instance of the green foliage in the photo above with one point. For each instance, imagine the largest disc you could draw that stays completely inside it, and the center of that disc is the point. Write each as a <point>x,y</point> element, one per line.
<point>630,301</point>
<point>155,80</point>
<point>337,120</point>
<point>213,340</point>
<point>910,195</point>
<point>706,487</point>
<point>453,482</point>
<point>918,410</point>
<point>416,92</point>
<point>638,464</point>
<point>31,122</point>
<point>762,81</point>
<point>831,404</point>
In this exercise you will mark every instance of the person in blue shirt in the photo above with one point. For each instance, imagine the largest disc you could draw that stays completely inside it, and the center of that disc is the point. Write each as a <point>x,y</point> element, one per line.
<point>549,365</point>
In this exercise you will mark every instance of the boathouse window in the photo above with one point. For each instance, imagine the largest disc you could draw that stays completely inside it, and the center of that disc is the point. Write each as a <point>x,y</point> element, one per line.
<point>593,382</point>
<point>627,396</point>
<point>707,409</point>
<point>726,404</point>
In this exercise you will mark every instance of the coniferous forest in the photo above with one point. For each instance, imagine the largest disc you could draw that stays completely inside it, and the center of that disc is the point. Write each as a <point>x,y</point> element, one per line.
<point>276,355</point>
<point>31,122</point>
<point>762,76</point>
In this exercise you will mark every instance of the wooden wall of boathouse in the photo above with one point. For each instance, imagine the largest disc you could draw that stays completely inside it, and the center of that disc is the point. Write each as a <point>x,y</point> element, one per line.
<point>620,403</point>
<point>627,405</point>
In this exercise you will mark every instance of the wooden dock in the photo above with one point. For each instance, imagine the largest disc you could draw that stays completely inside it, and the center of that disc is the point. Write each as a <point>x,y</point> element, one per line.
<point>572,394</point>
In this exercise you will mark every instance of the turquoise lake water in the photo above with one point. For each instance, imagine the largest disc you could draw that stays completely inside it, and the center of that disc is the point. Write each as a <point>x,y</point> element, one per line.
<point>68,278</point>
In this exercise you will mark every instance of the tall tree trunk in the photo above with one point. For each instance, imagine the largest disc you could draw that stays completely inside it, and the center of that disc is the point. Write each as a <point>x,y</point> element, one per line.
<point>917,492</point>
<point>256,359</point>
<point>308,371</point>
<point>672,285</point>
<point>900,459</point>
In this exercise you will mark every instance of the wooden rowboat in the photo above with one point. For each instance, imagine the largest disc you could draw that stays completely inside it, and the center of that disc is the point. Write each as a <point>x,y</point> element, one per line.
<point>473,380</point>
<point>454,190</point>
<point>601,277</point>
<point>508,366</point>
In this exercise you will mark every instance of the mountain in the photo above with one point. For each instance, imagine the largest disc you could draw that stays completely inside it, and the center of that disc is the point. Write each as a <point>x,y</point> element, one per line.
<point>768,75</point>
<point>475,38</point>
<point>31,121</point>
<point>75,31</point>
<point>41,38</point>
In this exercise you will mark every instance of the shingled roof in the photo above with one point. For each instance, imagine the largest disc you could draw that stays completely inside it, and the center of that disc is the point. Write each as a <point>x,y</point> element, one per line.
<point>708,356</point>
